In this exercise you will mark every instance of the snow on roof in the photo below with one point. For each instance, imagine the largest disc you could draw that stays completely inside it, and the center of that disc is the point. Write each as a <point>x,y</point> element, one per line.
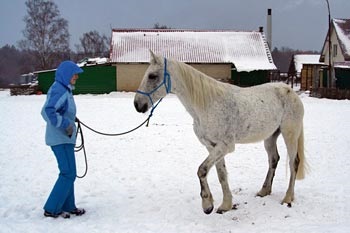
<point>82,63</point>
<point>310,59</point>
<point>342,65</point>
<point>342,28</point>
<point>248,51</point>
<point>93,61</point>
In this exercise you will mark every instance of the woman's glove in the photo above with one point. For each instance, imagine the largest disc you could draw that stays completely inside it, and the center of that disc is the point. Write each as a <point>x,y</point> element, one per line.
<point>69,130</point>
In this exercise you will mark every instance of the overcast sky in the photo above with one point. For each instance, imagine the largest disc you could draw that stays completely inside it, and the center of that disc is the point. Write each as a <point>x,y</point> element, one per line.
<point>297,24</point>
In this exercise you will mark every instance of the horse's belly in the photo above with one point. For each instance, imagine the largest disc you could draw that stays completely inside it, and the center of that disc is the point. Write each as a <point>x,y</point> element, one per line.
<point>255,135</point>
<point>253,138</point>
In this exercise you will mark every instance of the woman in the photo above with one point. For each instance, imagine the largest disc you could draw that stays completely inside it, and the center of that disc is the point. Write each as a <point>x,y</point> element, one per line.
<point>59,112</point>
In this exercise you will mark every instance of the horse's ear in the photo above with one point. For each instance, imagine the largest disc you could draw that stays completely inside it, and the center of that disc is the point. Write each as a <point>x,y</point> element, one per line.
<point>154,58</point>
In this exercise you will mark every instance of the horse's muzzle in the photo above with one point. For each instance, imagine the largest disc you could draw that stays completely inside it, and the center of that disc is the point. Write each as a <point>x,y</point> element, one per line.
<point>141,107</point>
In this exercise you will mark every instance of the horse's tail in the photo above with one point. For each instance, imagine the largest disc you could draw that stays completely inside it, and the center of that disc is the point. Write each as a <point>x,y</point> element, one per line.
<point>302,169</point>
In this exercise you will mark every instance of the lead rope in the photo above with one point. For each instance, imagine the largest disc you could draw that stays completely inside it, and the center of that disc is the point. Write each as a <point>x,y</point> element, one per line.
<point>82,145</point>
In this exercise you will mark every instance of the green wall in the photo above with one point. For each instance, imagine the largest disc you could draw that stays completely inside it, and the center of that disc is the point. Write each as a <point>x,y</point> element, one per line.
<point>94,80</point>
<point>246,79</point>
<point>343,78</point>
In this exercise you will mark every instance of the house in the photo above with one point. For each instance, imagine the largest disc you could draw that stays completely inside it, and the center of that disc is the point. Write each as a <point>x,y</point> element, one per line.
<point>239,57</point>
<point>340,54</point>
<point>308,69</point>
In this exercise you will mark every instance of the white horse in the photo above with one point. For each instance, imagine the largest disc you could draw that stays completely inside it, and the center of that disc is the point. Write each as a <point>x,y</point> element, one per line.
<point>224,115</point>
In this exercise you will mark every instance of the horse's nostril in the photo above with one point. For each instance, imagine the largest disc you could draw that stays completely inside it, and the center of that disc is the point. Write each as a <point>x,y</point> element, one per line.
<point>141,108</point>
<point>144,108</point>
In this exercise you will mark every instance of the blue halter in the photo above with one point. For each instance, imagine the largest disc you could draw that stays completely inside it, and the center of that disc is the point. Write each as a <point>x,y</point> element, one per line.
<point>166,82</point>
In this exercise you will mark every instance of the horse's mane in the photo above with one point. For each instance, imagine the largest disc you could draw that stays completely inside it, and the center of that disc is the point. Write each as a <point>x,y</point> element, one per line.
<point>200,88</point>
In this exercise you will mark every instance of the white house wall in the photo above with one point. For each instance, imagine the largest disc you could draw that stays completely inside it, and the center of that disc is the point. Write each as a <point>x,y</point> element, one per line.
<point>339,57</point>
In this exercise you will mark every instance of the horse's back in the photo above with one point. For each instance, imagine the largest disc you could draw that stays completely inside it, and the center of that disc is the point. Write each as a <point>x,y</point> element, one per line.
<point>261,110</point>
<point>281,91</point>
<point>292,107</point>
<point>291,103</point>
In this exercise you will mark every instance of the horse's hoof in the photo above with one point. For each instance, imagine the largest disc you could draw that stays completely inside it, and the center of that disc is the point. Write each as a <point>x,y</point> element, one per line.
<point>208,210</point>
<point>263,193</point>
<point>220,211</point>
<point>289,205</point>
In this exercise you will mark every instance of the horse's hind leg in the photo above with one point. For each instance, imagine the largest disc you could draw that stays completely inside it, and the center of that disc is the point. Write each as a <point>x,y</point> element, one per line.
<point>227,195</point>
<point>271,149</point>
<point>292,147</point>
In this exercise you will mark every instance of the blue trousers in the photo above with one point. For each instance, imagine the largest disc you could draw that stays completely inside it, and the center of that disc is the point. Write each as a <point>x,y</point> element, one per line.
<point>62,195</point>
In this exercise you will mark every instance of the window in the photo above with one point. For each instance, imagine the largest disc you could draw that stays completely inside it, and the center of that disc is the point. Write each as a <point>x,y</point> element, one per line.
<point>335,50</point>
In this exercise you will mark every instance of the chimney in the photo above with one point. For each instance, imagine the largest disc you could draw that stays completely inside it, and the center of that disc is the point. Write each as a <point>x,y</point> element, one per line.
<point>269,28</point>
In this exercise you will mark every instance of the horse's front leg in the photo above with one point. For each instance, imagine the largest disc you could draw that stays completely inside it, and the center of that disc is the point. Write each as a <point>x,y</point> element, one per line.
<point>226,204</point>
<point>216,154</point>
<point>207,198</point>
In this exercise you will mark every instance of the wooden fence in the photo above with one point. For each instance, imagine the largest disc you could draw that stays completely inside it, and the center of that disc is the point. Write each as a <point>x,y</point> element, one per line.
<point>330,93</point>
<point>26,89</point>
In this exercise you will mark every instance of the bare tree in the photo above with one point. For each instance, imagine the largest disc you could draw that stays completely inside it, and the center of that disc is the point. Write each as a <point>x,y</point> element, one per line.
<point>13,63</point>
<point>92,44</point>
<point>46,33</point>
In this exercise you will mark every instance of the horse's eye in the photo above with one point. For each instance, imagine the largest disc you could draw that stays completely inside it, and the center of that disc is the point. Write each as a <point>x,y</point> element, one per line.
<point>152,76</point>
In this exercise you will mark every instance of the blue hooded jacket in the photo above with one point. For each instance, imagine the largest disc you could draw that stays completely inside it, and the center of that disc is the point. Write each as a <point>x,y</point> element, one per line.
<point>59,110</point>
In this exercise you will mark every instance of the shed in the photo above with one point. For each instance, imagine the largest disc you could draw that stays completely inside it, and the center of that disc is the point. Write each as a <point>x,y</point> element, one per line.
<point>240,57</point>
<point>308,69</point>
<point>96,79</point>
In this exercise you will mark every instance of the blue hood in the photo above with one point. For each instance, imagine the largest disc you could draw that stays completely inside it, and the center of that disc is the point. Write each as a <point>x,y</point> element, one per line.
<point>65,72</point>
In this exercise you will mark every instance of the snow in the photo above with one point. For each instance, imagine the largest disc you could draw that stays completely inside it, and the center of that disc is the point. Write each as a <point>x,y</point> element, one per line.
<point>146,181</point>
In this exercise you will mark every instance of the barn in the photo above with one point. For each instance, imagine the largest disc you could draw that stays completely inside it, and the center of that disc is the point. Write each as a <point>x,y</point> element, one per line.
<point>239,57</point>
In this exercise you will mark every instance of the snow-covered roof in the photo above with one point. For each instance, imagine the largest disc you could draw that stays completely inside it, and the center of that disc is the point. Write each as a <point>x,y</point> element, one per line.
<point>342,28</point>
<point>342,65</point>
<point>248,51</point>
<point>82,63</point>
<point>310,59</point>
<point>93,61</point>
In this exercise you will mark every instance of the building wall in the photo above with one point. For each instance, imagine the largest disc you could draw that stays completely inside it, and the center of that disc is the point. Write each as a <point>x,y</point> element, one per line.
<point>311,77</point>
<point>339,56</point>
<point>129,76</point>
<point>94,80</point>
<point>220,72</point>
<point>247,79</point>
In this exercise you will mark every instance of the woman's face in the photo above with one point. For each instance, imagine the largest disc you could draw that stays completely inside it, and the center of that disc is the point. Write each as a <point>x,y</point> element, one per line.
<point>74,79</point>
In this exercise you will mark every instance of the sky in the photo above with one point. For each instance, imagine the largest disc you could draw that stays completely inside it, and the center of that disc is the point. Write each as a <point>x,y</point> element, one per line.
<point>297,24</point>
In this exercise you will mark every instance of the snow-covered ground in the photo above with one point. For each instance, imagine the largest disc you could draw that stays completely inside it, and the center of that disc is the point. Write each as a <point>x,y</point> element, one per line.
<point>146,181</point>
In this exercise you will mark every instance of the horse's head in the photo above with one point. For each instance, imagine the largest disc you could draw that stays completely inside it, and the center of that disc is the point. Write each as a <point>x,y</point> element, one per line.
<point>154,85</point>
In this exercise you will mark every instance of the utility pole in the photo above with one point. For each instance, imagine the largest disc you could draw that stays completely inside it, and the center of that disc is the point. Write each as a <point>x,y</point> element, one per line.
<point>329,83</point>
